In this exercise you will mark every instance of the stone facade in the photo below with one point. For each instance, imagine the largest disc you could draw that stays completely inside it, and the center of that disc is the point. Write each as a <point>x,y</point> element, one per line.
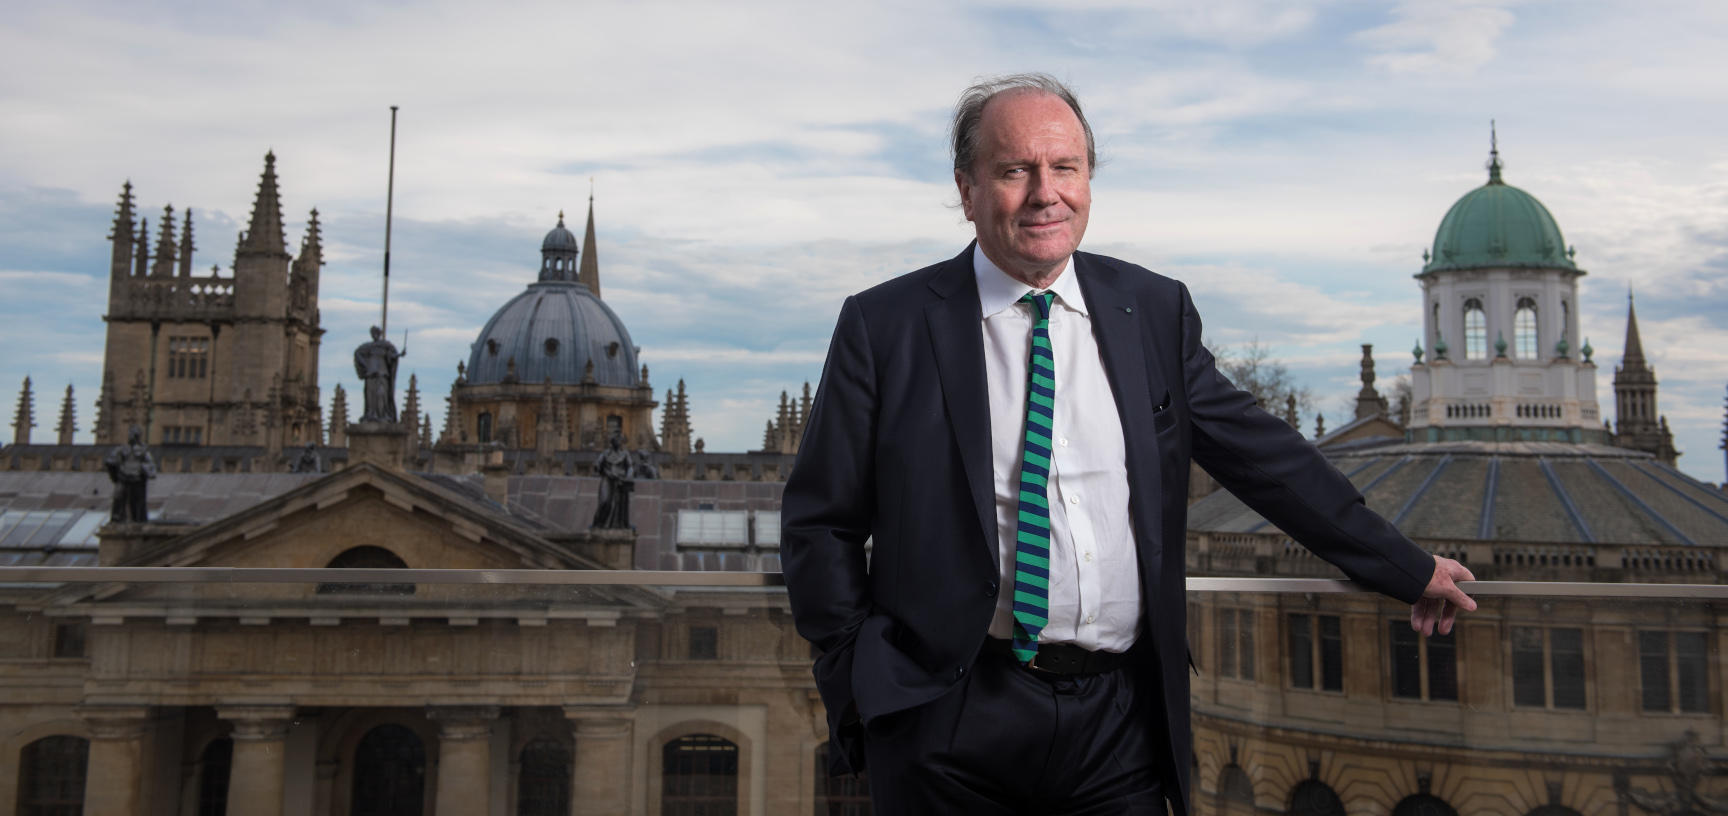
<point>213,359</point>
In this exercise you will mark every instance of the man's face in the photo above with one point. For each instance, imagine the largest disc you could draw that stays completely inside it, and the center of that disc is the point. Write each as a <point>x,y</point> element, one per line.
<point>1029,190</point>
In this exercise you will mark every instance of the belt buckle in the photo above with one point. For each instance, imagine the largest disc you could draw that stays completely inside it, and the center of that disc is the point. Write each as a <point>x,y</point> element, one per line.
<point>1033,663</point>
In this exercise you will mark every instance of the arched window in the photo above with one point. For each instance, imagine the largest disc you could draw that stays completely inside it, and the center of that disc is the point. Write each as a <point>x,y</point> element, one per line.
<point>1475,330</point>
<point>1526,345</point>
<point>366,558</point>
<point>699,777</point>
<point>214,766</point>
<point>483,427</point>
<point>840,795</point>
<point>543,783</point>
<point>51,776</point>
<point>1315,798</point>
<point>1234,784</point>
<point>1423,804</point>
<point>389,773</point>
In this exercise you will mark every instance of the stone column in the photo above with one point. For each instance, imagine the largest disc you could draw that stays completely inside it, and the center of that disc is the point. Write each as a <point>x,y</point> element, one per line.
<point>256,779</point>
<point>602,768</point>
<point>115,774</point>
<point>464,758</point>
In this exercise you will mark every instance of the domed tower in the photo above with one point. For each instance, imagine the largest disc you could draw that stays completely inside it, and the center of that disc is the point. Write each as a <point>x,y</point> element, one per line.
<point>1500,326</point>
<point>554,369</point>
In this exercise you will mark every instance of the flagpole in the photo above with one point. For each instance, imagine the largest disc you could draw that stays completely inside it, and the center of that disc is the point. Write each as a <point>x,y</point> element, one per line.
<point>389,205</point>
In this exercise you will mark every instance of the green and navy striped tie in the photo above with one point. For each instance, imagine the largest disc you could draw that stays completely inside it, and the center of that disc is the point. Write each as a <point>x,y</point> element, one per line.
<point>1032,547</point>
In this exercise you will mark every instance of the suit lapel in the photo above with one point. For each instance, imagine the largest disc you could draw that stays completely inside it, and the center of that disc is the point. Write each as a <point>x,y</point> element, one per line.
<point>1117,324</point>
<point>957,339</point>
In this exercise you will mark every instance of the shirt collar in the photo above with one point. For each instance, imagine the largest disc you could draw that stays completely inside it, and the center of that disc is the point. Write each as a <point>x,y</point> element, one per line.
<point>997,291</point>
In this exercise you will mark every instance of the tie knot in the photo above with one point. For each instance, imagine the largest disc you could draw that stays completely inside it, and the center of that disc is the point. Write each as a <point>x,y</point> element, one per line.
<point>1040,301</point>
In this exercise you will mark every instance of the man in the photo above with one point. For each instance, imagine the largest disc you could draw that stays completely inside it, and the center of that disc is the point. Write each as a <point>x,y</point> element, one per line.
<point>1013,429</point>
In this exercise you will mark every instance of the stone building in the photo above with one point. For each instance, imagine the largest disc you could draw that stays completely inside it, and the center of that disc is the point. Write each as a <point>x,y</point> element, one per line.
<point>1535,706</point>
<point>212,359</point>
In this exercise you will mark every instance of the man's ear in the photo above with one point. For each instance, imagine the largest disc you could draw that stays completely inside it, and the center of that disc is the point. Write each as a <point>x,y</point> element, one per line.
<point>965,184</point>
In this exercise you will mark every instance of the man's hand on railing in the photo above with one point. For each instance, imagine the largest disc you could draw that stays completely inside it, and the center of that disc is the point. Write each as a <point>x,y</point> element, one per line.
<point>1442,599</point>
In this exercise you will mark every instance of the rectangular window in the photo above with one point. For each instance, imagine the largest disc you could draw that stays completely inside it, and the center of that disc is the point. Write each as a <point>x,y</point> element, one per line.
<point>182,435</point>
<point>713,528</point>
<point>1316,652</point>
<point>704,643</point>
<point>1548,667</point>
<point>69,640</point>
<point>768,529</point>
<point>1423,668</point>
<point>1236,643</point>
<point>1674,671</point>
<point>188,358</point>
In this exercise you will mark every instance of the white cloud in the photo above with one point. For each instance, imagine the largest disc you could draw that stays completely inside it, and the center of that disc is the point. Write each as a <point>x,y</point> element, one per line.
<point>1438,36</point>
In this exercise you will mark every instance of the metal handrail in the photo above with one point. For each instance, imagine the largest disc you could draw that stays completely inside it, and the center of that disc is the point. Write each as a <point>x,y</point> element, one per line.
<point>547,577</point>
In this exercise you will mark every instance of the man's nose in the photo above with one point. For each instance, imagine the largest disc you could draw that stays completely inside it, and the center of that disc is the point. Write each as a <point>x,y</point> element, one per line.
<point>1042,190</point>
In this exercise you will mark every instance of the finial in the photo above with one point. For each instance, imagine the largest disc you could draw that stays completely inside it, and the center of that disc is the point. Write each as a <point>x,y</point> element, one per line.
<point>590,189</point>
<point>1500,345</point>
<point>1587,350</point>
<point>560,218</point>
<point>1417,351</point>
<point>1493,154</point>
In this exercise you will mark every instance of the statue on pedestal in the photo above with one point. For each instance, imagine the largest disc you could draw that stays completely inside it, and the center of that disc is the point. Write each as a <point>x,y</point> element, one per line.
<point>375,365</point>
<point>615,471</point>
<point>130,469</point>
<point>308,460</point>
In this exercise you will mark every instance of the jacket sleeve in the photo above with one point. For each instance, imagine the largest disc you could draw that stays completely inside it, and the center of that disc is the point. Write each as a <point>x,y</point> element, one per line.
<point>1283,477</point>
<point>826,515</point>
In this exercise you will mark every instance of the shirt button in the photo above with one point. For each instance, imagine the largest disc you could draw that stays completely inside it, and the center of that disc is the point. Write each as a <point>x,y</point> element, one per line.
<point>1064,441</point>
<point>1088,556</point>
<point>1090,618</point>
<point>1073,499</point>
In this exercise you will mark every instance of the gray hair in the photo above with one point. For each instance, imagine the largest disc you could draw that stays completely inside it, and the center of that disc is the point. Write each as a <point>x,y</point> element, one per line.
<point>969,111</point>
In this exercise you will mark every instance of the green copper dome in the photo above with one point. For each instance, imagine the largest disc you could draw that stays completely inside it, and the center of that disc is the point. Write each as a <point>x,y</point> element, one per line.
<point>1497,225</point>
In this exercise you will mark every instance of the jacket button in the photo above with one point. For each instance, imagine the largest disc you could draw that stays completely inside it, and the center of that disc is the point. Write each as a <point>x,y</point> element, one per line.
<point>959,672</point>
<point>990,589</point>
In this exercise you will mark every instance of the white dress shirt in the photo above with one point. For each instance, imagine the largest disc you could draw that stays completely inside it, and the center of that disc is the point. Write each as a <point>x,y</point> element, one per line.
<point>1094,576</point>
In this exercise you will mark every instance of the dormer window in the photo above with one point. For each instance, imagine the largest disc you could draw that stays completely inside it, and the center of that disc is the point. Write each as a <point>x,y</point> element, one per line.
<point>551,347</point>
<point>492,347</point>
<point>612,349</point>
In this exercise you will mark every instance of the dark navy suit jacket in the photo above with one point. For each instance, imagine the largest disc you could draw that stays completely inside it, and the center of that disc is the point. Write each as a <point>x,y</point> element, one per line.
<point>897,451</point>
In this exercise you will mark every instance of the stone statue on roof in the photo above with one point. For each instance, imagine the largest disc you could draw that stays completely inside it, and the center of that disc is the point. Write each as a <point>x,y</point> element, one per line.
<point>307,461</point>
<point>375,365</point>
<point>616,472</point>
<point>130,468</point>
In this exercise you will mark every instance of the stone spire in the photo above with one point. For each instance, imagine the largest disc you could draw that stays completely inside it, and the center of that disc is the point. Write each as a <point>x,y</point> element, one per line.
<point>1633,355</point>
<point>1369,402</point>
<point>1319,425</point>
<point>122,233</point>
<point>263,234</point>
<point>141,263</point>
<point>105,409</point>
<point>339,418</point>
<point>165,260</point>
<point>411,412</point>
<point>68,419</point>
<point>453,432</point>
<point>426,428</point>
<point>675,423</point>
<point>590,270</point>
<point>1290,410</point>
<point>186,246</point>
<point>312,246</point>
<point>25,418</point>
<point>1637,422</point>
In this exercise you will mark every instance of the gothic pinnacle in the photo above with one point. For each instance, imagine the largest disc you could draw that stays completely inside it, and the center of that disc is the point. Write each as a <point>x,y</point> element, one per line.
<point>68,419</point>
<point>263,234</point>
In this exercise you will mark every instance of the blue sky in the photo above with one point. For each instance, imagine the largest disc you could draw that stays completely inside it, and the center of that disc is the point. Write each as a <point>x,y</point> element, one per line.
<point>753,163</point>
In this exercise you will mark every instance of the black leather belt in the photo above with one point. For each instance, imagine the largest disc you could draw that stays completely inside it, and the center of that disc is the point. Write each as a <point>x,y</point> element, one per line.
<point>1062,658</point>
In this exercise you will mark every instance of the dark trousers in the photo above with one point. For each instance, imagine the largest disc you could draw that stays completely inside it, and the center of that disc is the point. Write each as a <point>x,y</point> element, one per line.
<point>1008,740</point>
